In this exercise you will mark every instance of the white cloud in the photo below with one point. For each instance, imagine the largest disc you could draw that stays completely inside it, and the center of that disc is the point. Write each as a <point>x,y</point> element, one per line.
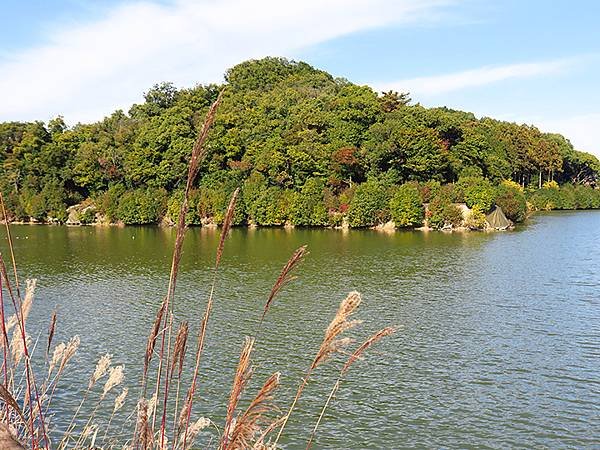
<point>86,70</point>
<point>582,130</point>
<point>439,84</point>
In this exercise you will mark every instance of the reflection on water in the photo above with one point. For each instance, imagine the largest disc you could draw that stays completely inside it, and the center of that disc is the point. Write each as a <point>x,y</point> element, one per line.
<point>499,343</point>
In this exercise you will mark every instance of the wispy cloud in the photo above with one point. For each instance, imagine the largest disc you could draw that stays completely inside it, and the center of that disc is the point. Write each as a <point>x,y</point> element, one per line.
<point>441,84</point>
<point>583,130</point>
<point>87,70</point>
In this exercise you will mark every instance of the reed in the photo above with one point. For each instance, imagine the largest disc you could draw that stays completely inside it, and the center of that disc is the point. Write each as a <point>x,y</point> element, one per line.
<point>198,154</point>
<point>20,344</point>
<point>51,330</point>
<point>357,354</point>
<point>250,424</point>
<point>209,304</point>
<point>331,343</point>
<point>284,277</point>
<point>241,379</point>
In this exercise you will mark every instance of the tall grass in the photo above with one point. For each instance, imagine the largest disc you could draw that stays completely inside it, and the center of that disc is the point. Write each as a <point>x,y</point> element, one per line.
<point>165,419</point>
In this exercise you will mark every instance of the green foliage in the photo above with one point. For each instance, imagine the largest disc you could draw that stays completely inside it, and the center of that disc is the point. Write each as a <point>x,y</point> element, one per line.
<point>109,202</point>
<point>369,205</point>
<point>565,197</point>
<point>477,191</point>
<point>142,206</point>
<point>452,215</point>
<point>442,211</point>
<point>476,219</point>
<point>87,215</point>
<point>174,205</point>
<point>300,142</point>
<point>406,207</point>
<point>429,190</point>
<point>511,199</point>
<point>308,208</point>
<point>551,185</point>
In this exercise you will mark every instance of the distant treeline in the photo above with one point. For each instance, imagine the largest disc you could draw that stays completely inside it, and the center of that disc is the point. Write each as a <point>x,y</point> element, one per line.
<point>306,148</point>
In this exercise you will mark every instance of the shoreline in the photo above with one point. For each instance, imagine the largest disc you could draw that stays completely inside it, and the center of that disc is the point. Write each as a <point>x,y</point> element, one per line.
<point>388,227</point>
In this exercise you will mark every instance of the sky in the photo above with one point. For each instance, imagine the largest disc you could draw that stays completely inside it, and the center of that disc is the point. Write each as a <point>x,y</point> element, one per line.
<point>527,61</point>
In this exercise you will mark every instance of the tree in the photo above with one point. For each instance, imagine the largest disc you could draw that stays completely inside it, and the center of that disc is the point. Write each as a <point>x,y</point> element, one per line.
<point>369,205</point>
<point>406,207</point>
<point>392,100</point>
<point>308,208</point>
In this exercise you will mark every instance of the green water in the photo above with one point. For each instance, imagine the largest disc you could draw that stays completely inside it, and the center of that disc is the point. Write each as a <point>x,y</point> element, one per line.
<point>499,340</point>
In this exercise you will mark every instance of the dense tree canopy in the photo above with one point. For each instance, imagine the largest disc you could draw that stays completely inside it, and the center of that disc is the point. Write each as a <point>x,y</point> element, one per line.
<point>306,148</point>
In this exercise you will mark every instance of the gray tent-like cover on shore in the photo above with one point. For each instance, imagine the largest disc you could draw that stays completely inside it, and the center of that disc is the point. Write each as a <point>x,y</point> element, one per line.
<point>497,220</point>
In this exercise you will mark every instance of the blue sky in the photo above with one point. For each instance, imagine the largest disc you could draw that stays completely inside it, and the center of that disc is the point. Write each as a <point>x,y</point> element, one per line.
<point>528,61</point>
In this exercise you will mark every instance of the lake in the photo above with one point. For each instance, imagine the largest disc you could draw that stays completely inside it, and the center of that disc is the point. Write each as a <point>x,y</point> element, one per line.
<point>498,342</point>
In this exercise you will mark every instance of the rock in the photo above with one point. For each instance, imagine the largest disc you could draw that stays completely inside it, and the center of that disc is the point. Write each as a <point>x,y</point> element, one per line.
<point>388,227</point>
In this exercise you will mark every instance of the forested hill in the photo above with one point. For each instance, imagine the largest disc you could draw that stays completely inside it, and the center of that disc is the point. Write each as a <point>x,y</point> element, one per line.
<point>298,141</point>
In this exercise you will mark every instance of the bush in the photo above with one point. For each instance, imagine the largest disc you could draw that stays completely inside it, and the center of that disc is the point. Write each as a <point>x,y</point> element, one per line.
<point>109,202</point>
<point>406,207</point>
<point>584,197</point>
<point>174,205</point>
<point>53,198</point>
<point>512,201</point>
<point>308,207</point>
<point>273,206</point>
<point>429,190</point>
<point>477,191</point>
<point>369,205</point>
<point>565,197</point>
<point>550,185</point>
<point>142,207</point>
<point>547,198</point>
<point>443,212</point>
<point>476,219</point>
<point>587,197</point>
<point>568,199</point>
<point>212,204</point>
<point>452,215</point>
<point>87,216</point>
<point>33,205</point>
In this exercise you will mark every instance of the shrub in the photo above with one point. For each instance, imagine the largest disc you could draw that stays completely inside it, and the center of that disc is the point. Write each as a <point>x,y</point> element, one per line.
<point>547,198</point>
<point>443,212</point>
<point>550,185</point>
<point>512,201</point>
<point>174,204</point>
<point>53,197</point>
<point>369,205</point>
<point>584,197</point>
<point>212,204</point>
<point>109,202</point>
<point>512,184</point>
<point>477,191</point>
<point>88,215</point>
<point>308,207</point>
<point>568,199</point>
<point>452,215</point>
<point>271,207</point>
<point>429,190</point>
<point>406,208</point>
<point>14,207</point>
<point>587,197</point>
<point>142,207</point>
<point>476,219</point>
<point>33,204</point>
